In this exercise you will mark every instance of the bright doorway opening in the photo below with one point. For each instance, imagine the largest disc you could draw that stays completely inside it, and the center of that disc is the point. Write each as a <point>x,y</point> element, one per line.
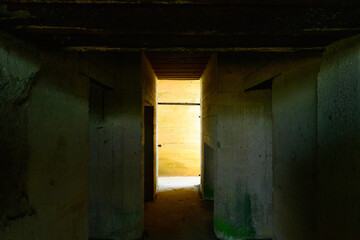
<point>178,121</point>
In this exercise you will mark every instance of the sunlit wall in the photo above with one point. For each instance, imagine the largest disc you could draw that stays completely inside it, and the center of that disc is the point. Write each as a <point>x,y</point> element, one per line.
<point>179,128</point>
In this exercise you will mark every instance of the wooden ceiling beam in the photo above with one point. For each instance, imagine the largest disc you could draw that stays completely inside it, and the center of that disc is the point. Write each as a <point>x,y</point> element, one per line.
<point>183,65</point>
<point>180,70</point>
<point>223,18</point>
<point>116,25</point>
<point>181,42</point>
<point>197,2</point>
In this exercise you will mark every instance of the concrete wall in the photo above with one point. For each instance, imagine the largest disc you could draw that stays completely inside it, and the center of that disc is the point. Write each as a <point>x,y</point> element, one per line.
<point>46,180</point>
<point>116,164</point>
<point>316,146</point>
<point>19,65</point>
<point>149,88</point>
<point>294,107</point>
<point>179,136</point>
<point>209,86</point>
<point>169,91</point>
<point>339,141</point>
<point>45,159</point>
<point>243,190</point>
<point>179,128</point>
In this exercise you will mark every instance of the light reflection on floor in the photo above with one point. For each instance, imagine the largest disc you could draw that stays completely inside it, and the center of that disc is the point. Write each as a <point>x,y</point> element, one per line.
<point>170,183</point>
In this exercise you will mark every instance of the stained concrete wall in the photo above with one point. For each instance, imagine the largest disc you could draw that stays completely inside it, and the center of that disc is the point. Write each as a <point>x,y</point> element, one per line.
<point>209,86</point>
<point>44,102</point>
<point>243,189</point>
<point>45,144</point>
<point>339,141</point>
<point>116,164</point>
<point>59,143</point>
<point>294,105</point>
<point>149,88</point>
<point>19,65</point>
<point>179,128</point>
<point>316,146</point>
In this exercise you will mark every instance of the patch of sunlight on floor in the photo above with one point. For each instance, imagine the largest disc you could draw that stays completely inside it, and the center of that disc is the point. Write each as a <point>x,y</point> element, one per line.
<point>170,183</point>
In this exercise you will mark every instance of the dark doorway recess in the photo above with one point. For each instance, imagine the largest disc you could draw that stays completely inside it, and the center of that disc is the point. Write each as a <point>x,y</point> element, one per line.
<point>149,161</point>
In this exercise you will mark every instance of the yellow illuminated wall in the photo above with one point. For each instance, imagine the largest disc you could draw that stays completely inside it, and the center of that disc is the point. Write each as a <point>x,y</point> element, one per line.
<point>179,128</point>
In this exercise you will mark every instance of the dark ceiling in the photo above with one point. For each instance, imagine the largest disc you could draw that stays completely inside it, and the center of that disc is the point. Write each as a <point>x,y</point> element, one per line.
<point>159,26</point>
<point>205,25</point>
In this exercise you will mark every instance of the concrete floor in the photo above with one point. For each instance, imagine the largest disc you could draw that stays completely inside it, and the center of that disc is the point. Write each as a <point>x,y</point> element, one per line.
<point>178,212</point>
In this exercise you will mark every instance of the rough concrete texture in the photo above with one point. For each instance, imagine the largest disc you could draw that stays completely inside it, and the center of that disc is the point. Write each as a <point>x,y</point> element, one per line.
<point>149,95</point>
<point>59,155</point>
<point>116,174</point>
<point>294,108</point>
<point>339,141</point>
<point>19,65</point>
<point>243,189</point>
<point>208,127</point>
<point>45,143</point>
<point>50,124</point>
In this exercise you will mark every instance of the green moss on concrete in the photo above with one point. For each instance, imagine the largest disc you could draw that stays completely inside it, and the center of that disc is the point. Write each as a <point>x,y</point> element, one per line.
<point>244,228</point>
<point>248,212</point>
<point>226,231</point>
<point>218,144</point>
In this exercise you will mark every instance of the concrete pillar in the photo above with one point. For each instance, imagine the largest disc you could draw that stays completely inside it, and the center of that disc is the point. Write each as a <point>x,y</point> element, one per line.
<point>18,70</point>
<point>339,141</point>
<point>149,145</point>
<point>243,176</point>
<point>294,111</point>
<point>116,172</point>
<point>208,82</point>
<point>44,144</point>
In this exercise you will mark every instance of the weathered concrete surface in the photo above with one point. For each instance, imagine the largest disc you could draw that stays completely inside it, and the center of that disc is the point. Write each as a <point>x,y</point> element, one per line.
<point>45,144</point>
<point>294,111</point>
<point>116,175</point>
<point>149,145</point>
<point>46,152</point>
<point>208,127</point>
<point>339,141</point>
<point>19,65</point>
<point>59,142</point>
<point>243,189</point>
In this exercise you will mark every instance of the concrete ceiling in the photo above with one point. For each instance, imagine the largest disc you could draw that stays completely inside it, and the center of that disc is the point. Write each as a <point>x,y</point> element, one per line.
<point>206,25</point>
<point>178,65</point>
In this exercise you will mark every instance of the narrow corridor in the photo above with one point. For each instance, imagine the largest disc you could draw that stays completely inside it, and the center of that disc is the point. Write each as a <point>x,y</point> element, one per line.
<point>178,212</point>
<point>103,104</point>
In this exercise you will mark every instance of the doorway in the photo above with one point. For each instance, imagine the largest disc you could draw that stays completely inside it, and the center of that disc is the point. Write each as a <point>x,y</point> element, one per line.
<point>149,166</point>
<point>178,114</point>
<point>178,210</point>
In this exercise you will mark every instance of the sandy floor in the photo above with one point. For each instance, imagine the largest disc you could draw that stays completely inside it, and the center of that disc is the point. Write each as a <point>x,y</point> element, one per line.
<point>179,213</point>
<point>171,183</point>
